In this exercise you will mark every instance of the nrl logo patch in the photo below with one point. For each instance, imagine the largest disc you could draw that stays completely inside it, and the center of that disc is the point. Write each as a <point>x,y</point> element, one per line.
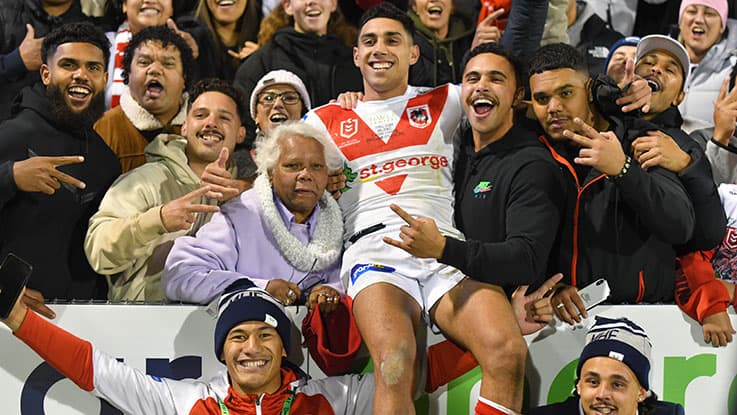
<point>349,128</point>
<point>419,116</point>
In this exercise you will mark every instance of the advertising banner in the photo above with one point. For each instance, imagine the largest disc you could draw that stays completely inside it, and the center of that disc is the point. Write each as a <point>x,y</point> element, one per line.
<point>177,342</point>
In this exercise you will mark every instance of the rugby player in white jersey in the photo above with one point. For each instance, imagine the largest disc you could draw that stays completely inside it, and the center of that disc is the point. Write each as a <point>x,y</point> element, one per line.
<point>397,149</point>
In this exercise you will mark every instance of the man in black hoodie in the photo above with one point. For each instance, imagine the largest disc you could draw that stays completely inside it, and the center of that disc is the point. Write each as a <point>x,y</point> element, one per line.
<point>23,24</point>
<point>54,168</point>
<point>509,192</point>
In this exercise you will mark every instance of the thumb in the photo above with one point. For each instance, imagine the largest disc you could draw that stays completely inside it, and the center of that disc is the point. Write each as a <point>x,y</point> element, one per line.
<point>171,25</point>
<point>30,32</point>
<point>491,18</point>
<point>223,158</point>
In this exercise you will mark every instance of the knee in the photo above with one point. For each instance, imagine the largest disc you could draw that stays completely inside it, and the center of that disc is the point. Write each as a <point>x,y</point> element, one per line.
<point>395,364</point>
<point>504,351</point>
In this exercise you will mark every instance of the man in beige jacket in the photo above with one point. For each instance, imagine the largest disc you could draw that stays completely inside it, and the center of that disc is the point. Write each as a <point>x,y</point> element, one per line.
<point>173,194</point>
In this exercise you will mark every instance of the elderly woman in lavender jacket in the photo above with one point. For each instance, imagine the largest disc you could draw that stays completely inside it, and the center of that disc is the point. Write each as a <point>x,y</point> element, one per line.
<point>284,234</point>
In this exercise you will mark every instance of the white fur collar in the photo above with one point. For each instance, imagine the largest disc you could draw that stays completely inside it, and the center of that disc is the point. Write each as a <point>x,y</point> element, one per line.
<point>326,243</point>
<point>144,120</point>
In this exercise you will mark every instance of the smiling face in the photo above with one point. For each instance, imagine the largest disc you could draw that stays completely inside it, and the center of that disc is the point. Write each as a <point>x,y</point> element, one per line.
<point>384,53</point>
<point>662,68</point>
<point>558,96</point>
<point>489,91</point>
<point>253,352</point>
<point>226,12</point>
<point>77,71</point>
<point>276,105</point>
<point>435,15</point>
<point>701,28</point>
<point>300,175</point>
<point>146,13</point>
<point>608,386</point>
<point>156,79</point>
<point>310,16</point>
<point>212,123</point>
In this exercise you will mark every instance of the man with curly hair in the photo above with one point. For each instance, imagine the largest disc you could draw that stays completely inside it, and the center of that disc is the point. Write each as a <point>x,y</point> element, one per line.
<point>156,68</point>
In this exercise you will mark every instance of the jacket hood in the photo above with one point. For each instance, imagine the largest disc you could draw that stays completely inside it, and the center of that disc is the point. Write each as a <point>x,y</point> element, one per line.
<point>517,137</point>
<point>33,98</point>
<point>722,50</point>
<point>169,149</point>
<point>289,39</point>
<point>459,27</point>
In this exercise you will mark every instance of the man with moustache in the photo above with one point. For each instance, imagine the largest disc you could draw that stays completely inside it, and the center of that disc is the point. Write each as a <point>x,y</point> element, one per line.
<point>156,69</point>
<point>54,168</point>
<point>130,236</point>
<point>622,220</point>
<point>509,193</point>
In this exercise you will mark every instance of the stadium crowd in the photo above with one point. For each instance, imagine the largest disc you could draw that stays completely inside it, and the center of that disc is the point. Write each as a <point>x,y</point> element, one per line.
<point>386,164</point>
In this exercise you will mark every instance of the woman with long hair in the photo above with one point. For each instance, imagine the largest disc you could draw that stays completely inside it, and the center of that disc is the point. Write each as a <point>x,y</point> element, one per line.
<point>226,32</point>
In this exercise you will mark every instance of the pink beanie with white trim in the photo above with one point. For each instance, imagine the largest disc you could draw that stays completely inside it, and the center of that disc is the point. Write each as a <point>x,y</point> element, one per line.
<point>719,5</point>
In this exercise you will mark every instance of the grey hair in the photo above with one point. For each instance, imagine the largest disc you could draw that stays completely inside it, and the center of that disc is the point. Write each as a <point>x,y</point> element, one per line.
<point>268,149</point>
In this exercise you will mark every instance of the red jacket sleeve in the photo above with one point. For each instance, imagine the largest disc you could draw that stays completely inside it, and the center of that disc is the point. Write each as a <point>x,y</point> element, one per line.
<point>68,354</point>
<point>698,293</point>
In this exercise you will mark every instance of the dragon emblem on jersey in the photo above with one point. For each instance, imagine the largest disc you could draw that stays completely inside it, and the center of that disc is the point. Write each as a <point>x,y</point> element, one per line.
<point>348,128</point>
<point>419,116</point>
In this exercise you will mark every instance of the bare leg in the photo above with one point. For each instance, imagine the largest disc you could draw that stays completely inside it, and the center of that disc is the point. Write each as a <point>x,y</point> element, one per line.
<point>478,316</point>
<point>388,318</point>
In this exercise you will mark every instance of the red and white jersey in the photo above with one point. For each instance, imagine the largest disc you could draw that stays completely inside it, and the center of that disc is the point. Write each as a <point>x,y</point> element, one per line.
<point>398,150</point>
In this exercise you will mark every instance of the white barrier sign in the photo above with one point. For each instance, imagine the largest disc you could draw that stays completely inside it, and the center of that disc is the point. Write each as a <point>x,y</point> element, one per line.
<point>178,341</point>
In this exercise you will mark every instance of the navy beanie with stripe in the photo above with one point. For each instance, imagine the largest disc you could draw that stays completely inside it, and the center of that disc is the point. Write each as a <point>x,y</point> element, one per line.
<point>238,305</point>
<point>622,340</point>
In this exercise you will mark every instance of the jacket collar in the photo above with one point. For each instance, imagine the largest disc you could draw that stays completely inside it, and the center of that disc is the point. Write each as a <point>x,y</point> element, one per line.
<point>144,120</point>
<point>670,118</point>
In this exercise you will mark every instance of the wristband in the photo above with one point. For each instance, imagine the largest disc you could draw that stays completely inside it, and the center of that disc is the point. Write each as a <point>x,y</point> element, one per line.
<point>625,168</point>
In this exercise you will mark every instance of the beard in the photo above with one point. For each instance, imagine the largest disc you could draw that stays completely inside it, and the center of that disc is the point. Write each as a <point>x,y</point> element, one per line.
<point>68,119</point>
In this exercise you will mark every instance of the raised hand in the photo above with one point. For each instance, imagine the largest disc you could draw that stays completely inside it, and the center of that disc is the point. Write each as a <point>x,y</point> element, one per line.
<point>179,214</point>
<point>534,311</point>
<point>30,49</point>
<point>636,92</point>
<point>40,174</point>
<point>247,49</point>
<point>188,39</point>
<point>223,186</point>
<point>725,113</point>
<point>420,237</point>
<point>602,151</point>
<point>659,149</point>
<point>487,31</point>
